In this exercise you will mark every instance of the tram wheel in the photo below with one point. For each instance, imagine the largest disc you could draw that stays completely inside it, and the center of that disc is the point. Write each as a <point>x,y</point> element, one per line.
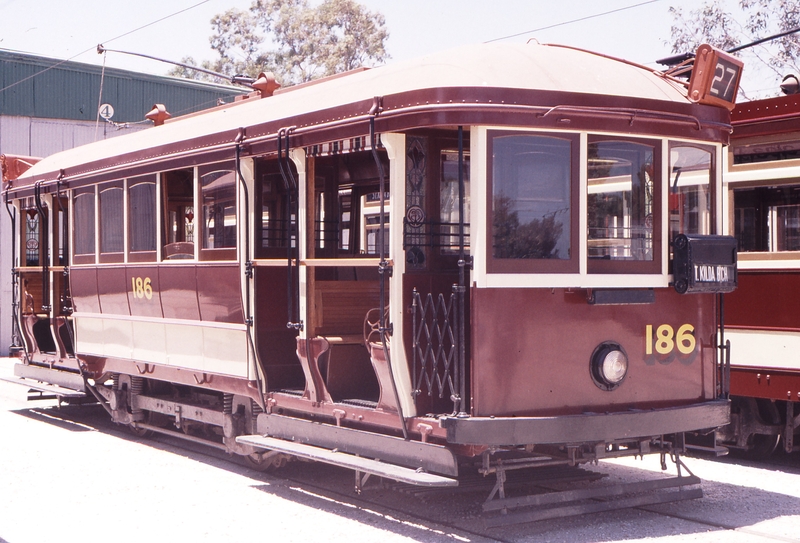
<point>141,432</point>
<point>265,461</point>
<point>762,446</point>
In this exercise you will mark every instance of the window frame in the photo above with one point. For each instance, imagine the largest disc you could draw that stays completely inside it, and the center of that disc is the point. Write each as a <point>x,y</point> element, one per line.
<point>214,253</point>
<point>632,267</point>
<point>109,256</point>
<point>146,255</point>
<point>537,266</point>
<point>84,258</point>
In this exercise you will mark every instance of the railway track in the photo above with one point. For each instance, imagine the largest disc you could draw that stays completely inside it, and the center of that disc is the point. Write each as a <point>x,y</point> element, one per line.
<point>440,514</point>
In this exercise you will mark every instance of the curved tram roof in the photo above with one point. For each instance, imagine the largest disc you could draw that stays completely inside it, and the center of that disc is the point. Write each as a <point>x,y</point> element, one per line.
<point>503,84</point>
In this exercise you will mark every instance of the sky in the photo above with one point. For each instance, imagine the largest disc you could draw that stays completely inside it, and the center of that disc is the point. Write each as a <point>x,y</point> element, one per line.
<point>637,30</point>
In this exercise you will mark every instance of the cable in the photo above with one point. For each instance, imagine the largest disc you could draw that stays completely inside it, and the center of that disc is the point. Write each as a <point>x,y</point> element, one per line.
<point>573,21</point>
<point>93,48</point>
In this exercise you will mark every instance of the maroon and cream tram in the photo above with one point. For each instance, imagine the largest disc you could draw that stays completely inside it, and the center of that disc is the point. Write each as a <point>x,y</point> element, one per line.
<point>763,186</point>
<point>464,258</point>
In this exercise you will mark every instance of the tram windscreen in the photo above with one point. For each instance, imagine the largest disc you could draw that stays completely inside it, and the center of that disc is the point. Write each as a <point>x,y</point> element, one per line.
<point>620,202</point>
<point>689,191</point>
<point>531,177</point>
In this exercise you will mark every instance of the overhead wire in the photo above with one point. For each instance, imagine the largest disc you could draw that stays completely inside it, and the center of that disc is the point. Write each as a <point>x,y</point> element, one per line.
<point>563,23</point>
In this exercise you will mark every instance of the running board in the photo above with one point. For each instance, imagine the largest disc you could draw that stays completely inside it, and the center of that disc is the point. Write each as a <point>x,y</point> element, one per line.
<point>53,390</point>
<point>579,502</point>
<point>358,463</point>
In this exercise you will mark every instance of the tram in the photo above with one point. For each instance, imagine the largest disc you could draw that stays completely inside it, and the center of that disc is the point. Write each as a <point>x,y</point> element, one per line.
<point>496,257</point>
<point>762,183</point>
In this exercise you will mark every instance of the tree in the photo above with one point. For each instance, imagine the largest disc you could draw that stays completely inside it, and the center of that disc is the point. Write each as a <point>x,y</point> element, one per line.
<point>715,23</point>
<point>303,42</point>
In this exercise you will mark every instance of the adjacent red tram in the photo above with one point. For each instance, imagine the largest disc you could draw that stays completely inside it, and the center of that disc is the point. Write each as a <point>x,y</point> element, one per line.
<point>506,256</point>
<point>763,187</point>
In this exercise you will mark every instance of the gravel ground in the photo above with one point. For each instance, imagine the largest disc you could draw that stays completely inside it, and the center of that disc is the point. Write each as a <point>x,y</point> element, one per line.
<point>70,475</point>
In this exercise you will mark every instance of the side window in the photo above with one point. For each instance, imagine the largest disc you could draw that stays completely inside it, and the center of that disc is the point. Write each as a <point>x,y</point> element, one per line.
<point>178,211</point>
<point>111,223</point>
<point>691,172</point>
<point>623,209</point>
<point>142,219</point>
<point>767,219</point>
<point>218,201</point>
<point>533,180</point>
<point>84,231</point>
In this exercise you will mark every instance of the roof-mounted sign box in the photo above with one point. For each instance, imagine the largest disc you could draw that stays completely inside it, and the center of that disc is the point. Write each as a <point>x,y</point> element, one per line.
<point>715,77</point>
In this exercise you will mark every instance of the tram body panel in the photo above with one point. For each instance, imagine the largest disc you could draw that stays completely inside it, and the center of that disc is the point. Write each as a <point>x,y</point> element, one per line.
<point>533,357</point>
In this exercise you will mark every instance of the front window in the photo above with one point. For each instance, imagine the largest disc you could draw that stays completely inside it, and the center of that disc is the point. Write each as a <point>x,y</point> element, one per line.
<point>622,206</point>
<point>531,202</point>
<point>689,191</point>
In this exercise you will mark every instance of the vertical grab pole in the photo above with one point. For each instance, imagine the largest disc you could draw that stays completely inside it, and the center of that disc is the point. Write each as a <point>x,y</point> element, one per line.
<point>44,232</point>
<point>384,270</point>
<point>461,367</point>
<point>293,260</point>
<point>16,333</point>
<point>725,353</point>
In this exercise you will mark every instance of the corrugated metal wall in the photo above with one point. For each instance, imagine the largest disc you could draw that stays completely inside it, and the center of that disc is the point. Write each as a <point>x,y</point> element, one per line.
<point>32,86</point>
<point>43,111</point>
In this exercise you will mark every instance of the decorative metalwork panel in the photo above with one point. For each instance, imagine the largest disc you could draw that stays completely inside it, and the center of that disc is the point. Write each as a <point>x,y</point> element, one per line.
<point>414,223</point>
<point>435,347</point>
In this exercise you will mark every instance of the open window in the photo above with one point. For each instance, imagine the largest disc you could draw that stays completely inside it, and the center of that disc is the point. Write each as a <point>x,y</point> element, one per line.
<point>767,219</point>
<point>218,201</point>
<point>177,187</point>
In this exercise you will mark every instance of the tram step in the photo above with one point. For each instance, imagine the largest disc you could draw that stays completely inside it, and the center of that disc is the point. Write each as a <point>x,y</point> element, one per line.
<point>358,463</point>
<point>54,390</point>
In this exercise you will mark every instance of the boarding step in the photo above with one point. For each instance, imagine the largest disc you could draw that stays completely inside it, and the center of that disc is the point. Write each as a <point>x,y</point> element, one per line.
<point>358,463</point>
<point>54,391</point>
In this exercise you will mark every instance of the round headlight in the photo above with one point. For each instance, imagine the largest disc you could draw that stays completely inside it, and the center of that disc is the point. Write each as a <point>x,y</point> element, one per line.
<point>609,366</point>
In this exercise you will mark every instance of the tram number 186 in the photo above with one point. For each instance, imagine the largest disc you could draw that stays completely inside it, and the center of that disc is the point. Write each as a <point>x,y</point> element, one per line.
<point>141,287</point>
<point>667,340</point>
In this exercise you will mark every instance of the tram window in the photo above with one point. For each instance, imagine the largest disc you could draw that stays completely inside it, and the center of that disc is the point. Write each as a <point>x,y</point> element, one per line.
<point>689,191</point>
<point>622,207</point>
<point>218,198</point>
<point>531,204</point>
<point>178,210</point>
<point>111,223</point>
<point>271,200</point>
<point>767,219</point>
<point>84,231</point>
<point>142,218</point>
<point>449,203</point>
<point>371,223</point>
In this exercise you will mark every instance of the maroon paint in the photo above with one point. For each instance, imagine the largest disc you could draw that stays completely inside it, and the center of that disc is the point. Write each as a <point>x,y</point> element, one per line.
<point>532,348</point>
<point>765,301</point>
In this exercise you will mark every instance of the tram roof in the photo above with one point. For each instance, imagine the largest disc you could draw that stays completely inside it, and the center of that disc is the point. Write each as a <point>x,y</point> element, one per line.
<point>490,66</point>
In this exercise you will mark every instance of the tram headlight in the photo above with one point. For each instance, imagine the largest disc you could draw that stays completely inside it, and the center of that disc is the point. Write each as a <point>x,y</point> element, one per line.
<point>609,365</point>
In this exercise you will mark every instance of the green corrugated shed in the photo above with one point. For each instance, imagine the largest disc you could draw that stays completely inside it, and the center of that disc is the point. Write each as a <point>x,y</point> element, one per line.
<point>33,86</point>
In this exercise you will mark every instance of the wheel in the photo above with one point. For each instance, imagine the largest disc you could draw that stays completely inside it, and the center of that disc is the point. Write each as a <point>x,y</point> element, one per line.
<point>265,461</point>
